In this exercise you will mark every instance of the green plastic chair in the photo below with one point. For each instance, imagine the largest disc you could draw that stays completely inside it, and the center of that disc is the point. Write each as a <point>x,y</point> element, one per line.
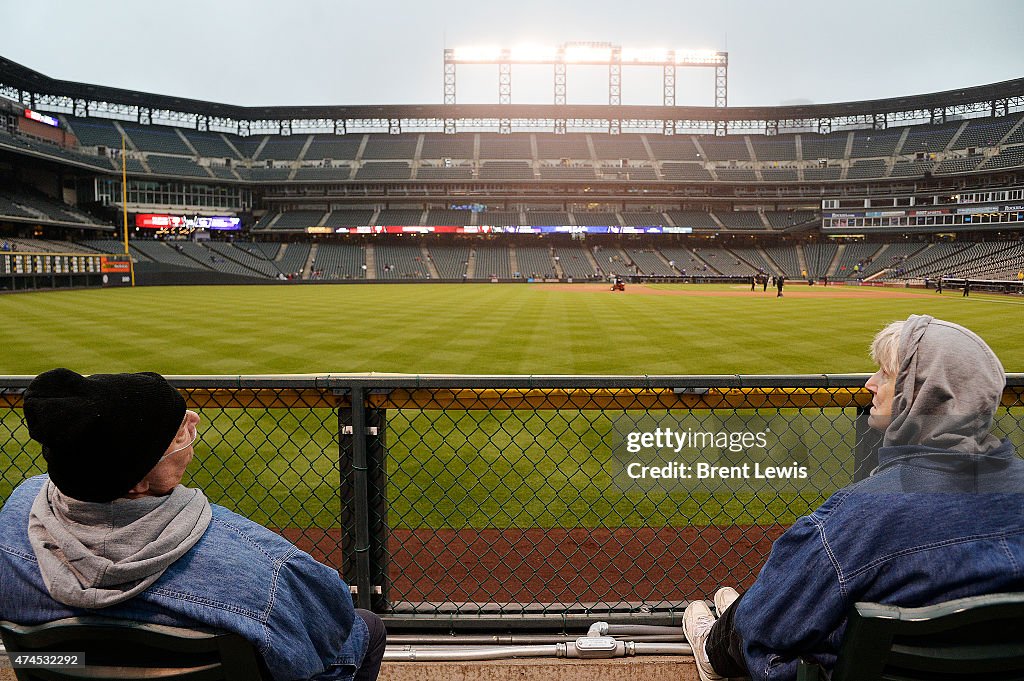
<point>125,650</point>
<point>980,637</point>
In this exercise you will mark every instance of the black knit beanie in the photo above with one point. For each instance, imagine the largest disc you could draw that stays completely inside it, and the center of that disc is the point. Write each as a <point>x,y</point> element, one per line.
<point>102,434</point>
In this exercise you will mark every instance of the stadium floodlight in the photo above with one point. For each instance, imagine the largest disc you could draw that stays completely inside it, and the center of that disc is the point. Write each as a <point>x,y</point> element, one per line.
<point>482,53</point>
<point>645,55</point>
<point>533,53</point>
<point>709,57</point>
<point>586,53</point>
<point>589,54</point>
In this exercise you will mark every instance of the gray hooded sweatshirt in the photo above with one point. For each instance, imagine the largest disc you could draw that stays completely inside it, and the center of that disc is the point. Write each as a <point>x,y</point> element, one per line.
<point>94,555</point>
<point>948,388</point>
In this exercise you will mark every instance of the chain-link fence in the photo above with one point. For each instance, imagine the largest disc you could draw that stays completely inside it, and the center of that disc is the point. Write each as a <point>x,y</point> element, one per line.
<point>457,501</point>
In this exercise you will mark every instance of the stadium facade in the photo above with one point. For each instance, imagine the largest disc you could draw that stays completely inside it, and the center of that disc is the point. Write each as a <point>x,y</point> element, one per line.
<point>905,189</point>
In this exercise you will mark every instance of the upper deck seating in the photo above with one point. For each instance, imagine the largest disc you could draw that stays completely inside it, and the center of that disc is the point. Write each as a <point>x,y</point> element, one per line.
<point>211,144</point>
<point>400,216</point>
<point>156,138</point>
<point>384,170</point>
<point>341,147</point>
<point>505,146</point>
<point>684,171</point>
<point>546,217</point>
<point>928,138</point>
<point>642,218</point>
<point>282,148</point>
<point>781,148</point>
<point>506,170</point>
<point>740,219</point>
<point>572,146</point>
<point>860,170</point>
<point>674,148</point>
<point>728,148</point>
<point>333,173</point>
<point>816,146</point>
<point>441,216</point>
<point>875,142</point>
<point>349,217</point>
<point>618,147</point>
<point>985,132</point>
<point>595,218</point>
<point>784,219</point>
<point>390,147</point>
<point>736,174</point>
<point>779,175</point>
<point>459,147</point>
<point>566,173</point>
<point>692,218</point>
<point>175,165</point>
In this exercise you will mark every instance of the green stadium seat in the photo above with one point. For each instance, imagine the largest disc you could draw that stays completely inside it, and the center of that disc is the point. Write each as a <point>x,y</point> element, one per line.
<point>969,638</point>
<point>122,649</point>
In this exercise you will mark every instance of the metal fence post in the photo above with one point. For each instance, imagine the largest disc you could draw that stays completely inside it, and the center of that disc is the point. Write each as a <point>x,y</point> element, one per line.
<point>355,531</point>
<point>377,503</point>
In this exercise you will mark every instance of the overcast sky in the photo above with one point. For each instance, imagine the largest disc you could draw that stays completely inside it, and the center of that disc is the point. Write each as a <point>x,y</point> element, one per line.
<point>263,52</point>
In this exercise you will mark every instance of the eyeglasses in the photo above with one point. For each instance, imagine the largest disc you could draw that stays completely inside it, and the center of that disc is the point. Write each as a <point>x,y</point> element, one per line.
<point>188,424</point>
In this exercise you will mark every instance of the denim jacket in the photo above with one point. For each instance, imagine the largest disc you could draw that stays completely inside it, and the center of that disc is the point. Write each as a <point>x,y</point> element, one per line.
<point>929,525</point>
<point>240,577</point>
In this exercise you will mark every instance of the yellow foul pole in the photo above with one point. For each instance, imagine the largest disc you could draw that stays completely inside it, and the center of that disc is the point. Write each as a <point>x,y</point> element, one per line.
<point>124,206</point>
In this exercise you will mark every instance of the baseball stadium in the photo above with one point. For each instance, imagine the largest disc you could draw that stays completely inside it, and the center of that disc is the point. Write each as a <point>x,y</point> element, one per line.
<point>441,348</point>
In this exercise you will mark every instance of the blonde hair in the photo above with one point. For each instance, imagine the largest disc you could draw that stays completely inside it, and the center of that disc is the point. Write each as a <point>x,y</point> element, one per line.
<point>885,348</point>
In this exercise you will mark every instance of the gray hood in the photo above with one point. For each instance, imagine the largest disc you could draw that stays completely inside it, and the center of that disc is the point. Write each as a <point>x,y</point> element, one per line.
<point>94,555</point>
<point>948,389</point>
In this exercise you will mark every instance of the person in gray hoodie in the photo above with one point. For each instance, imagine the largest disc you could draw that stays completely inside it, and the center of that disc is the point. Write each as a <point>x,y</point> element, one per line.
<point>941,517</point>
<point>111,530</point>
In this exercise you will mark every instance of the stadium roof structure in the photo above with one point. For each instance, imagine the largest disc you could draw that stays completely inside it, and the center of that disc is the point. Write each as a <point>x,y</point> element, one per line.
<point>39,91</point>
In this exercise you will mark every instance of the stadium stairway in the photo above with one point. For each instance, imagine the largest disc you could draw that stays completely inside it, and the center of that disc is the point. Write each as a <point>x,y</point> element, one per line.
<point>802,260</point>
<point>831,270</point>
<point>661,257</point>
<point>371,261</point>
<point>768,258</point>
<point>308,267</point>
<point>427,260</point>
<point>640,668</point>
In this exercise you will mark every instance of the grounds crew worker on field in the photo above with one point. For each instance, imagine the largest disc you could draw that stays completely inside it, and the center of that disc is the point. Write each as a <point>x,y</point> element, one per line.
<point>941,517</point>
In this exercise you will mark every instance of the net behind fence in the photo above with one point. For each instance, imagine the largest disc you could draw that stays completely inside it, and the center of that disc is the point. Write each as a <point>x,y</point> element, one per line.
<point>444,501</point>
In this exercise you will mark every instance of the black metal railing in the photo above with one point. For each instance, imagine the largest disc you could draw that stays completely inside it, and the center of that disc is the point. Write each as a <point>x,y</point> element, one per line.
<point>481,501</point>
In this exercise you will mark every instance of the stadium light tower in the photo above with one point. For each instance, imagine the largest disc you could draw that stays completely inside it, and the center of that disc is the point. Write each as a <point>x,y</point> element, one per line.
<point>587,54</point>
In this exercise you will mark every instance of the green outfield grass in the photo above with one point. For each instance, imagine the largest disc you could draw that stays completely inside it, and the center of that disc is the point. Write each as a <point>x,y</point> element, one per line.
<point>472,328</point>
<point>478,469</point>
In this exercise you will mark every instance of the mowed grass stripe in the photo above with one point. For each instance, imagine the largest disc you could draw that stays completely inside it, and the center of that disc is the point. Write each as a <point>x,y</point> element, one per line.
<point>470,328</point>
<point>466,469</point>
